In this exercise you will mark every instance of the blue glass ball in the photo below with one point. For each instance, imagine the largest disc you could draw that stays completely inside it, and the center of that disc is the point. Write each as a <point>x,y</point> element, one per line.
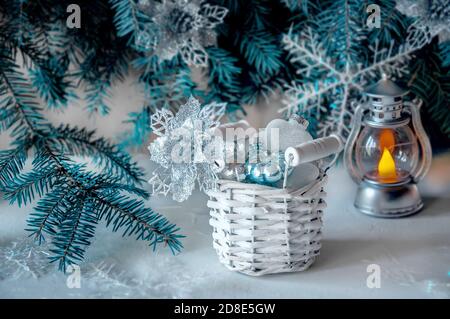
<point>272,173</point>
<point>267,172</point>
<point>254,172</point>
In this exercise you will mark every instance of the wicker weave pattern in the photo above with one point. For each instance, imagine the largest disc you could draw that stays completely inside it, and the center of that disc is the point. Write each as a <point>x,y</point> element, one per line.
<point>260,230</point>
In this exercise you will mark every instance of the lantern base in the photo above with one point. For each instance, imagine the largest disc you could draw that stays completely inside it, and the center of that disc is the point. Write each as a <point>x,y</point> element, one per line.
<point>388,200</point>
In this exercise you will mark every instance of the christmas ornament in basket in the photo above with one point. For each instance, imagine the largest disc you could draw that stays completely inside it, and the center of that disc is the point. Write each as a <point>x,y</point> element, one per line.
<point>257,229</point>
<point>260,229</point>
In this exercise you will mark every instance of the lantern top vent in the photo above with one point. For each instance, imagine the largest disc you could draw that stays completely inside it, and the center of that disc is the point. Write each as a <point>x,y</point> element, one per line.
<point>385,102</point>
<point>385,88</point>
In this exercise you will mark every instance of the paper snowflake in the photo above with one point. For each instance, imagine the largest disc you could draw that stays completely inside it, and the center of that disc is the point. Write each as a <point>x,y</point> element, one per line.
<point>334,74</point>
<point>183,27</point>
<point>432,16</point>
<point>180,149</point>
<point>23,259</point>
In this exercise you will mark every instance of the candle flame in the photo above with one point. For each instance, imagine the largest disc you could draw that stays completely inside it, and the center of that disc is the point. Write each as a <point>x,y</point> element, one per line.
<point>386,166</point>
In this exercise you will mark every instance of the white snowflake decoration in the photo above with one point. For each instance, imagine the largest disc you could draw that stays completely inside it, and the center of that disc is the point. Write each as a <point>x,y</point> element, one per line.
<point>23,259</point>
<point>185,27</point>
<point>180,148</point>
<point>340,86</point>
<point>433,16</point>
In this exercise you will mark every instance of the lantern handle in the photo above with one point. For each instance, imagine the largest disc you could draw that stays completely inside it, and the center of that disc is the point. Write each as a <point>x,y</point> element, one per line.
<point>350,144</point>
<point>425,163</point>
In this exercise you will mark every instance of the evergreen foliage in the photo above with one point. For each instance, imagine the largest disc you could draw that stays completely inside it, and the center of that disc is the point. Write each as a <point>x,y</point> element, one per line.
<point>69,197</point>
<point>248,62</point>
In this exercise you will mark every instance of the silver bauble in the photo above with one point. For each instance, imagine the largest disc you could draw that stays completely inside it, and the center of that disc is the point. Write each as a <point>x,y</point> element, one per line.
<point>233,172</point>
<point>290,133</point>
<point>272,173</point>
<point>267,171</point>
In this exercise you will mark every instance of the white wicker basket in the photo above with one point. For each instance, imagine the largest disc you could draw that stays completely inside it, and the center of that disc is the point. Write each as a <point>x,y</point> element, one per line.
<point>262,230</point>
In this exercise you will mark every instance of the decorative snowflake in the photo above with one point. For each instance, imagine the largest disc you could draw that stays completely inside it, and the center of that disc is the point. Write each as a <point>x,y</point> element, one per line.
<point>180,148</point>
<point>23,259</point>
<point>338,82</point>
<point>182,26</point>
<point>433,16</point>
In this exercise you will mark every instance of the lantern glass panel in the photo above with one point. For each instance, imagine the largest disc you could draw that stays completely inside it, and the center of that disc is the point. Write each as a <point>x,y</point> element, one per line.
<point>386,155</point>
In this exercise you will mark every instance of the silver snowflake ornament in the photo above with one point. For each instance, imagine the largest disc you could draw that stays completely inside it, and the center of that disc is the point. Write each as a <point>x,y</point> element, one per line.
<point>186,148</point>
<point>433,16</point>
<point>330,88</point>
<point>183,27</point>
<point>23,259</point>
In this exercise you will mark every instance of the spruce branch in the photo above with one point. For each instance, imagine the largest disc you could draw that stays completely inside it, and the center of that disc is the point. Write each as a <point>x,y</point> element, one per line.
<point>126,17</point>
<point>12,162</point>
<point>83,142</point>
<point>261,51</point>
<point>72,199</point>
<point>49,212</point>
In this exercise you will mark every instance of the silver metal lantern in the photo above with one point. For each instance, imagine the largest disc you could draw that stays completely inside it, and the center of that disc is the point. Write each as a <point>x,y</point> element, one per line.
<point>387,152</point>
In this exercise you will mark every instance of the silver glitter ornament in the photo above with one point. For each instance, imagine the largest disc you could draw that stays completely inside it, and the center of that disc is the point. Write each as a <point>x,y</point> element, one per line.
<point>185,28</point>
<point>183,147</point>
<point>432,16</point>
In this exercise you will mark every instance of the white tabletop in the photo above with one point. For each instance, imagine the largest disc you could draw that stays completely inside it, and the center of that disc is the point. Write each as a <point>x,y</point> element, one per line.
<point>413,255</point>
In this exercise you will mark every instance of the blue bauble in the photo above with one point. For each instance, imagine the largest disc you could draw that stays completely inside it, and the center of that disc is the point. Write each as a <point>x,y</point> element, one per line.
<point>254,173</point>
<point>273,172</point>
<point>268,171</point>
